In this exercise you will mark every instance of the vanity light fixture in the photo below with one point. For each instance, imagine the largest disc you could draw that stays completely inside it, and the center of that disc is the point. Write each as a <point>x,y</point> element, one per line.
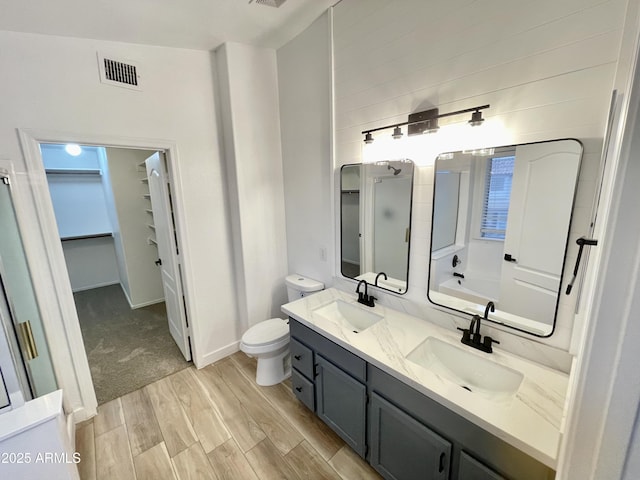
<point>426,122</point>
<point>476,118</point>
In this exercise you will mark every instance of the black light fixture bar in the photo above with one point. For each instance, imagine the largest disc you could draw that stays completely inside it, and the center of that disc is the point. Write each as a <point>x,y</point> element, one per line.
<point>425,120</point>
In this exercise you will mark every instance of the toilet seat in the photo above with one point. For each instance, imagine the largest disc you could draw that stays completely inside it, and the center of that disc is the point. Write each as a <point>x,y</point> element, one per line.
<point>273,332</point>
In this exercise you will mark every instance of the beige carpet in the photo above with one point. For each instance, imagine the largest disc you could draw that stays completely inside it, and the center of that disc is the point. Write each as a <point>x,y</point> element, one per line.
<point>127,349</point>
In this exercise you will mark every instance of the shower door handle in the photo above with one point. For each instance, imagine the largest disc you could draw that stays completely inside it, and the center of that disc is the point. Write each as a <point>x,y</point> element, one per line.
<point>28,342</point>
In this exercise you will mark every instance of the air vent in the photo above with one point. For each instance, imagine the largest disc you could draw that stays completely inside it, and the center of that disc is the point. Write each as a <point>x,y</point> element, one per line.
<point>270,3</point>
<point>120,73</point>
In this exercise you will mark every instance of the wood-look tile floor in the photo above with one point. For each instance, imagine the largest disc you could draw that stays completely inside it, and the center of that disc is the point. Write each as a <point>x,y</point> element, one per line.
<point>213,423</point>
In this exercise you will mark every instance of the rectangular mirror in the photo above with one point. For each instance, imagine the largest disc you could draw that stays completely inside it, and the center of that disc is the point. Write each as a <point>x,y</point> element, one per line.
<point>375,222</point>
<point>500,230</point>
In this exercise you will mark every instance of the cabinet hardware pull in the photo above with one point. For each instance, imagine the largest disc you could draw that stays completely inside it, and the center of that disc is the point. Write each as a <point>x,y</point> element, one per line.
<point>297,357</point>
<point>298,389</point>
<point>441,469</point>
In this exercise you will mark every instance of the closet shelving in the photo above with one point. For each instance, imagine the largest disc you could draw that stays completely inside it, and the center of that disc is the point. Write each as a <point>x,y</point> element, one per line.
<point>73,171</point>
<point>151,239</point>
<point>81,221</point>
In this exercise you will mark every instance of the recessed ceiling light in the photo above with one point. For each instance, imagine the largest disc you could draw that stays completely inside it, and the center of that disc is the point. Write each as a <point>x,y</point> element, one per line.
<point>73,149</point>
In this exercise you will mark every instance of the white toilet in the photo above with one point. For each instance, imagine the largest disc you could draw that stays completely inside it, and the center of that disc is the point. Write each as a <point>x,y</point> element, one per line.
<point>268,340</point>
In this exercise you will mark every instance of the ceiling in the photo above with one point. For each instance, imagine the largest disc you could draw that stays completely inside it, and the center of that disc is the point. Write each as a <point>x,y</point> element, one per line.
<point>195,24</point>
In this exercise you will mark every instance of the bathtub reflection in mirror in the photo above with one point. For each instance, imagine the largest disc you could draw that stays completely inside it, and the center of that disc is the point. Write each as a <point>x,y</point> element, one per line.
<point>375,217</point>
<point>500,229</point>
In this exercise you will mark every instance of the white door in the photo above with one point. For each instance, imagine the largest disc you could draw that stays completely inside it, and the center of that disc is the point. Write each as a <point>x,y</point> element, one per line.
<point>167,252</point>
<point>544,181</point>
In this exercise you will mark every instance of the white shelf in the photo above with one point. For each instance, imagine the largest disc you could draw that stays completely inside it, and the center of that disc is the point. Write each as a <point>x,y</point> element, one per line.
<point>73,171</point>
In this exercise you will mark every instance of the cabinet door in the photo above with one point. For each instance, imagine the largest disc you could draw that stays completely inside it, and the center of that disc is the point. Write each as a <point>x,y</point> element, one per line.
<point>341,403</point>
<point>403,448</point>
<point>472,469</point>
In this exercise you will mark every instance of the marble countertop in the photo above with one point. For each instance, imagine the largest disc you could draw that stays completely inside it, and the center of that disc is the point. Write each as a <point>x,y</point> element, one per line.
<point>532,420</point>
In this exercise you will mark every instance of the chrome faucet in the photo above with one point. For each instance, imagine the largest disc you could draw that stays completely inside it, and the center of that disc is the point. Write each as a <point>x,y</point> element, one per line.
<point>365,298</point>
<point>375,283</point>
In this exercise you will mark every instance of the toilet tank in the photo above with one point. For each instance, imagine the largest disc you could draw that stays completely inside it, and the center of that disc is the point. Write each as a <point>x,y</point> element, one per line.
<point>299,286</point>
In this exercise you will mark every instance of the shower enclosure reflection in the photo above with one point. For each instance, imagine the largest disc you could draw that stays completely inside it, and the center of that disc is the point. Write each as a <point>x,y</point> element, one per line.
<point>375,218</point>
<point>500,229</point>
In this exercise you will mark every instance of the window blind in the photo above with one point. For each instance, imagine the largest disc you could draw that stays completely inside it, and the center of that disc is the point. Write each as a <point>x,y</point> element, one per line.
<point>497,195</point>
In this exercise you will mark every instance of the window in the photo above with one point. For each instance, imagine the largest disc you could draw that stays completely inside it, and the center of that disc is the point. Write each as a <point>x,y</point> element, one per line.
<point>497,193</point>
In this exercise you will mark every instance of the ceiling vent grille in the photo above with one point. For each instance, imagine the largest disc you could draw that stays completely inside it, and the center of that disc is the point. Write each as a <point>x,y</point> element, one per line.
<point>120,73</point>
<point>270,3</point>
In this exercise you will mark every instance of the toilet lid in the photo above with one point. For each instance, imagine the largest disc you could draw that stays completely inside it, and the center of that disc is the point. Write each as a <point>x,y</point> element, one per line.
<point>268,331</point>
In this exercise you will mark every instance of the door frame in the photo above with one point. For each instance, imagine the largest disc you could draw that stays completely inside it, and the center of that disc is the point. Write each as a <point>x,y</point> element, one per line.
<point>51,280</point>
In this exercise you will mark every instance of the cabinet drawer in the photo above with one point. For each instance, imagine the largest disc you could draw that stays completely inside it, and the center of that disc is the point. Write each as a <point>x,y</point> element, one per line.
<point>303,389</point>
<point>341,357</point>
<point>302,358</point>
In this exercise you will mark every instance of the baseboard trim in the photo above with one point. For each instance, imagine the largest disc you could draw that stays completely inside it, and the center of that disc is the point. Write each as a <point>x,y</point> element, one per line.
<point>219,354</point>
<point>81,414</point>
<point>91,287</point>
<point>138,305</point>
<point>146,304</point>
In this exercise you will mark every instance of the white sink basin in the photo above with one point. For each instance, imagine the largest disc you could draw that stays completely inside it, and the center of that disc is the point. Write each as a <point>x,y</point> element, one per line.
<point>348,315</point>
<point>471,372</point>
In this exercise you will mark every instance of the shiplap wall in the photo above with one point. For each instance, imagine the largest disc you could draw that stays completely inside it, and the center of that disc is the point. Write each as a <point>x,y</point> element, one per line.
<point>546,68</point>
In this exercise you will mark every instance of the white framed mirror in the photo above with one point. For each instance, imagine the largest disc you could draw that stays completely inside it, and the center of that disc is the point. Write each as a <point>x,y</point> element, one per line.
<point>375,222</point>
<point>500,227</point>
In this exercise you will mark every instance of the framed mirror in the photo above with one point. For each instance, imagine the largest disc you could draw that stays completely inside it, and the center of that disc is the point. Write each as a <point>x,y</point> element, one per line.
<point>375,222</point>
<point>500,228</point>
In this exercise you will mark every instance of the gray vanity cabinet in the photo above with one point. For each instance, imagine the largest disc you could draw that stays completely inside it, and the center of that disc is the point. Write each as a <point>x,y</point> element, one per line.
<point>475,453</point>
<point>330,381</point>
<point>401,432</point>
<point>472,469</point>
<point>403,448</point>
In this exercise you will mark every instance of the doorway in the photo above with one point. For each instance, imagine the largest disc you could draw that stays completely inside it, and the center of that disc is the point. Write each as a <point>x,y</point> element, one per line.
<point>106,222</point>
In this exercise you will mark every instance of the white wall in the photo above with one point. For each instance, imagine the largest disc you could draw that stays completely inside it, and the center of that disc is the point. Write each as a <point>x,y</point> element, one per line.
<point>546,68</point>
<point>250,115</point>
<point>52,84</point>
<point>118,247</point>
<point>91,263</point>
<point>304,76</point>
<point>144,280</point>
<point>81,208</point>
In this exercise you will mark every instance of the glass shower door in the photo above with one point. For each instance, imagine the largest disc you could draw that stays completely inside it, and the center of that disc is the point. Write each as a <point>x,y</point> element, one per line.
<point>22,321</point>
